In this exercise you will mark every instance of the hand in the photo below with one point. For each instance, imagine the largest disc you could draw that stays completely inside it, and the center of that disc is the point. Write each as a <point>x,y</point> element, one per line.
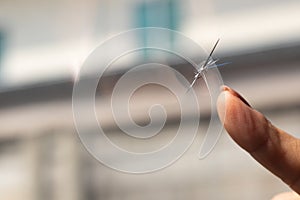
<point>275,149</point>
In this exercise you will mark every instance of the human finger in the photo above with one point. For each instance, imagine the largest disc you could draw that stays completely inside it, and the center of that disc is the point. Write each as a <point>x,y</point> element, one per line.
<point>273,148</point>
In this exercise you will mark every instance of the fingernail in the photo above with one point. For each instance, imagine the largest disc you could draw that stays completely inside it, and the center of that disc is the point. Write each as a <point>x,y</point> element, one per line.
<point>234,93</point>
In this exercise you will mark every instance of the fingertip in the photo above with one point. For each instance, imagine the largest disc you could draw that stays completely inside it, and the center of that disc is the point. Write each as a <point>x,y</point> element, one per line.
<point>244,124</point>
<point>236,94</point>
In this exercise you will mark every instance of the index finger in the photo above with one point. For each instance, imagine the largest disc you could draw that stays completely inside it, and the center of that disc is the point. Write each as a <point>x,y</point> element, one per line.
<point>273,148</point>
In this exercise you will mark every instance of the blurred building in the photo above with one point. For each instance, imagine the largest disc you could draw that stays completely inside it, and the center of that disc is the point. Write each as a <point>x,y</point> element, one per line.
<point>42,45</point>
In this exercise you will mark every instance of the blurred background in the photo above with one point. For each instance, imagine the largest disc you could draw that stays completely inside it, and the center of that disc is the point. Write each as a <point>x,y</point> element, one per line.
<point>42,45</point>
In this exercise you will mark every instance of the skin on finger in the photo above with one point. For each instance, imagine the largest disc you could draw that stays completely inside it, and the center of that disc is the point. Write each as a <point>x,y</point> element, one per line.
<point>287,196</point>
<point>273,148</point>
